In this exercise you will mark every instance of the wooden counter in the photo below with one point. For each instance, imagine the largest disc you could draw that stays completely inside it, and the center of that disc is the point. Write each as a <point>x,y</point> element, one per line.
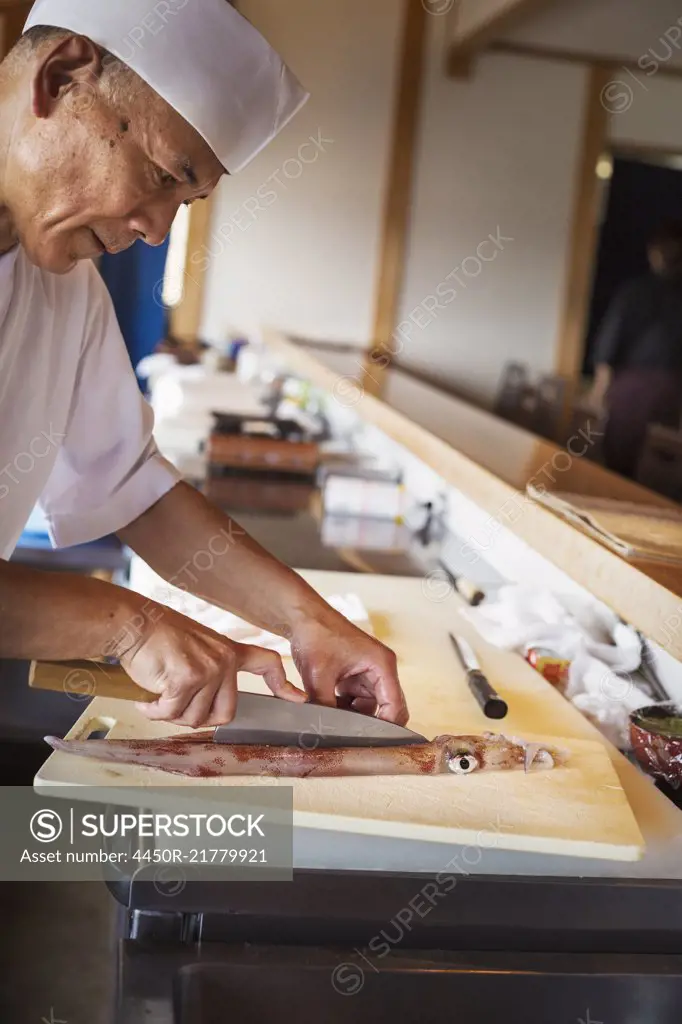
<point>491,462</point>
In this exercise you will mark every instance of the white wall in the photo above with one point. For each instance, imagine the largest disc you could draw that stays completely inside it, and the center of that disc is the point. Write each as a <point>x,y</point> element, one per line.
<point>498,153</point>
<point>652,114</point>
<point>473,15</point>
<point>306,262</point>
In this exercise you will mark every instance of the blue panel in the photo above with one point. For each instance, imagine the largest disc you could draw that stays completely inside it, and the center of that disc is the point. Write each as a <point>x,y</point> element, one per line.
<point>134,279</point>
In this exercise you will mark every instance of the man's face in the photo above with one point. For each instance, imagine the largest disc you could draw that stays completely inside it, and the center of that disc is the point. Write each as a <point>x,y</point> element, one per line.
<point>88,172</point>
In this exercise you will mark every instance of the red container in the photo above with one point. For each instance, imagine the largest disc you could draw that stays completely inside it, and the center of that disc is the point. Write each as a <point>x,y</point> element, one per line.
<point>550,665</point>
<point>656,736</point>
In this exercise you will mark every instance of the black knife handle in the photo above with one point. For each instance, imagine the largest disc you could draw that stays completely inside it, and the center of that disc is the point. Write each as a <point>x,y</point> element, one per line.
<point>489,701</point>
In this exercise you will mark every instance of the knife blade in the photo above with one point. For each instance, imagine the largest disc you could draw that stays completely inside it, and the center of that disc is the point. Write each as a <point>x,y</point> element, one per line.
<point>264,719</point>
<point>259,719</point>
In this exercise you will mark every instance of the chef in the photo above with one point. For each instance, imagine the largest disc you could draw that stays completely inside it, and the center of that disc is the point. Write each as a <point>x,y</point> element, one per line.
<point>113,114</point>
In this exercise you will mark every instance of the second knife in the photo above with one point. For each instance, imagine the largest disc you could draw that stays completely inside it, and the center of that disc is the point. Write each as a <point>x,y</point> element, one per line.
<point>489,701</point>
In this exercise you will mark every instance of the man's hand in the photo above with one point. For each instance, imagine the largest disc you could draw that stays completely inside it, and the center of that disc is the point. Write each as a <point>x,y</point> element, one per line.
<point>335,658</point>
<point>341,665</point>
<point>194,672</point>
<point>595,401</point>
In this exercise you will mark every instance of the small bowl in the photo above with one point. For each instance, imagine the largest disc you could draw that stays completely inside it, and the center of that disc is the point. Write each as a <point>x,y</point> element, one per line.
<point>656,736</point>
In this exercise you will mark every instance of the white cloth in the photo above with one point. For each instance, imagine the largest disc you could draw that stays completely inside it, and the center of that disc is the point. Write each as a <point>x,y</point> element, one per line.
<point>145,581</point>
<point>75,432</point>
<point>603,651</point>
<point>202,57</point>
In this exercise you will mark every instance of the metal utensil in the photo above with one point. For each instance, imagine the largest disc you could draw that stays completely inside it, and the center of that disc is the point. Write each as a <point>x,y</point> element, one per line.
<point>488,699</point>
<point>647,669</point>
<point>260,719</point>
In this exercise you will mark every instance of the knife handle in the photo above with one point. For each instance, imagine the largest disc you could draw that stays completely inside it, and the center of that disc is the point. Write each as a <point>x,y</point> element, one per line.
<point>81,680</point>
<point>488,699</point>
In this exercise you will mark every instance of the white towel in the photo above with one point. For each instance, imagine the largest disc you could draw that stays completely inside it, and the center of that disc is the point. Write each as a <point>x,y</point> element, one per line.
<point>603,651</point>
<point>147,582</point>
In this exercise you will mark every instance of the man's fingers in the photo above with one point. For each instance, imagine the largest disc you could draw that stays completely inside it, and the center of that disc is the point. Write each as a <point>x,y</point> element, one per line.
<point>391,703</point>
<point>393,709</point>
<point>200,710</point>
<point>356,693</point>
<point>192,703</point>
<point>364,706</point>
<point>355,686</point>
<point>268,664</point>
<point>320,683</point>
<point>165,709</point>
<point>212,701</point>
<point>224,706</point>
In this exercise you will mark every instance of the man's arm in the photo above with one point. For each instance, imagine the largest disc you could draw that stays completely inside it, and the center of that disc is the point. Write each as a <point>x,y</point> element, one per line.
<point>107,473</point>
<point>191,670</point>
<point>595,400</point>
<point>190,543</point>
<point>610,344</point>
<point>49,616</point>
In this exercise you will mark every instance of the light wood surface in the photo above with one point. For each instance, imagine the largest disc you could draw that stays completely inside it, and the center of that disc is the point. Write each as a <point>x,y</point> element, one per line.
<point>86,679</point>
<point>584,228</point>
<point>580,810</point>
<point>664,156</point>
<point>477,23</point>
<point>398,202</point>
<point>491,462</point>
<point>185,318</point>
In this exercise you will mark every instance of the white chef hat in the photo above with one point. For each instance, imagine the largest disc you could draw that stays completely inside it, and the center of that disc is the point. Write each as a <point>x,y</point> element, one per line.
<point>201,56</point>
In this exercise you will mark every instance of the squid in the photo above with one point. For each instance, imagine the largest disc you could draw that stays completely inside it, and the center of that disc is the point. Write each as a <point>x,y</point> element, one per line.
<point>196,756</point>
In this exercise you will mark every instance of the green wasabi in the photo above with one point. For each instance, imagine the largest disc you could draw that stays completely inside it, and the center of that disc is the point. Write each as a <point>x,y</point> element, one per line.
<point>666,726</point>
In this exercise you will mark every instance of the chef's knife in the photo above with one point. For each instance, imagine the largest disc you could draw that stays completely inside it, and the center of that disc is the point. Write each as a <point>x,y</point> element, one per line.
<point>489,701</point>
<point>260,719</point>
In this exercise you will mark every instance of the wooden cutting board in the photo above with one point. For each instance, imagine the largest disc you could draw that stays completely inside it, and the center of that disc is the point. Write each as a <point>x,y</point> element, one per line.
<point>581,809</point>
<point>632,530</point>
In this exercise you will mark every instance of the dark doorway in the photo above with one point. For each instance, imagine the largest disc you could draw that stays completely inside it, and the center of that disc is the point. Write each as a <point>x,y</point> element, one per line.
<point>641,196</point>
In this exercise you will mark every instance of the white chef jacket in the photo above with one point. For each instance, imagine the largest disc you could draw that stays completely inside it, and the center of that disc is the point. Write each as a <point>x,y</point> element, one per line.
<point>75,431</point>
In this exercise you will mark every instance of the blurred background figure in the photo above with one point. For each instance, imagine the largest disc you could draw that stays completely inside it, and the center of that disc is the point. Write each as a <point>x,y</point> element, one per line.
<point>638,354</point>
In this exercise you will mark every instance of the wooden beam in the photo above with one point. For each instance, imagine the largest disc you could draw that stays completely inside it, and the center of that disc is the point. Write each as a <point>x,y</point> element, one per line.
<point>665,156</point>
<point>185,318</point>
<point>479,22</point>
<point>605,60</point>
<point>585,223</point>
<point>396,217</point>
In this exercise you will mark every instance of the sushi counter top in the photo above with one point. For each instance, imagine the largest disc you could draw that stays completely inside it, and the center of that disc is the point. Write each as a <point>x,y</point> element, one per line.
<point>491,464</point>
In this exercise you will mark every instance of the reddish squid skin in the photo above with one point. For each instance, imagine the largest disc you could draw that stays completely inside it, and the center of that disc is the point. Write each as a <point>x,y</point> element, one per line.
<point>193,757</point>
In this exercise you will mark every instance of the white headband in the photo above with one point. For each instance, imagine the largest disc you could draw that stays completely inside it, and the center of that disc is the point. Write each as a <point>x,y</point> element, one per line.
<point>201,56</point>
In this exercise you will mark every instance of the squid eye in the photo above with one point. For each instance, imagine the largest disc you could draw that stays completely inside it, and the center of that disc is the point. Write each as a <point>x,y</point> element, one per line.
<point>462,764</point>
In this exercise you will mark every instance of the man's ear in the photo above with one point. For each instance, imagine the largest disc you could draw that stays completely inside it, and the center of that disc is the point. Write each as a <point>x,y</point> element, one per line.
<point>71,69</point>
